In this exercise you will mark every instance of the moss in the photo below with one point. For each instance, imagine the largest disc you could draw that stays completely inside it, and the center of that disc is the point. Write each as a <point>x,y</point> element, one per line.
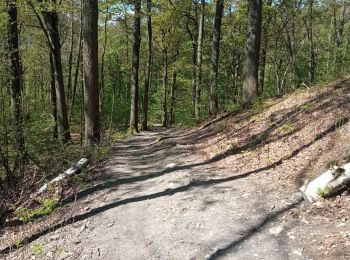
<point>323,192</point>
<point>47,207</point>
<point>286,128</point>
<point>37,249</point>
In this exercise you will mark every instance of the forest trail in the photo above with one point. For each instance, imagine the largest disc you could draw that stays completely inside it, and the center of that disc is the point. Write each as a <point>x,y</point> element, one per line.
<point>147,208</point>
<point>222,190</point>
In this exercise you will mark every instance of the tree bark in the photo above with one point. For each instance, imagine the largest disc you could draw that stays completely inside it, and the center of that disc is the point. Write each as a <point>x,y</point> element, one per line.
<point>327,183</point>
<point>102,79</point>
<point>50,24</point>
<point>173,89</point>
<point>70,58</point>
<point>311,63</point>
<point>251,63</point>
<point>76,74</point>
<point>338,35</point>
<point>165,87</point>
<point>91,83</point>
<point>193,38</point>
<point>199,61</point>
<point>53,99</point>
<point>135,68</point>
<point>71,171</point>
<point>213,107</point>
<point>149,68</point>
<point>264,46</point>
<point>15,84</point>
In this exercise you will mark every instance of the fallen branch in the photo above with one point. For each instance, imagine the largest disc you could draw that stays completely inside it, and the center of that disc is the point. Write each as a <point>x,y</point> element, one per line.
<point>71,171</point>
<point>327,183</point>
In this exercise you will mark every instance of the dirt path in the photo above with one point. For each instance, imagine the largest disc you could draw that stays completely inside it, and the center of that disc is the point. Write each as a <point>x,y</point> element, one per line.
<point>222,190</point>
<point>155,200</point>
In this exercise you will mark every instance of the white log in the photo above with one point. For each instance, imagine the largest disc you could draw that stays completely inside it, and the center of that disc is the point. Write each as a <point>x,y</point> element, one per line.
<point>327,183</point>
<point>71,171</point>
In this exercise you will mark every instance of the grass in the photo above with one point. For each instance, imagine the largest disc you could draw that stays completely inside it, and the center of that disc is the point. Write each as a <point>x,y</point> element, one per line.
<point>286,128</point>
<point>323,192</point>
<point>37,249</point>
<point>46,208</point>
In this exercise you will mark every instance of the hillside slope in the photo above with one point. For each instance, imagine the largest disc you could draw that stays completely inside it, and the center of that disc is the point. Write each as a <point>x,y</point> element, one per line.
<point>220,190</point>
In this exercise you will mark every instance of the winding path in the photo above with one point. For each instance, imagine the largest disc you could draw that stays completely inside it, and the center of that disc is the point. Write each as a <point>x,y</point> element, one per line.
<point>155,200</point>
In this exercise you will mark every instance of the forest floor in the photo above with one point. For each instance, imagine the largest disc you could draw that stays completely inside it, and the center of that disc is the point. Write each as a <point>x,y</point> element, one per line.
<point>222,190</point>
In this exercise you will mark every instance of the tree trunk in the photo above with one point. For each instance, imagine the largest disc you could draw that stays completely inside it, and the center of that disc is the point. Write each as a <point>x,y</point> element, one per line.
<point>135,68</point>
<point>213,108</point>
<point>70,59</point>
<point>327,183</point>
<point>50,21</point>
<point>15,84</point>
<point>193,38</point>
<point>91,84</point>
<point>165,87</point>
<point>102,80</point>
<point>173,89</point>
<point>262,63</point>
<point>338,36</point>
<point>149,68</point>
<point>251,63</point>
<point>53,99</point>
<point>264,46</point>
<point>199,61</point>
<point>76,75</point>
<point>311,63</point>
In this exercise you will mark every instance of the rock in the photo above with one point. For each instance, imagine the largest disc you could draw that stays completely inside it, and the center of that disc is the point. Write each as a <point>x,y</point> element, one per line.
<point>341,225</point>
<point>54,237</point>
<point>170,165</point>
<point>276,230</point>
<point>83,227</point>
<point>246,195</point>
<point>297,252</point>
<point>111,224</point>
<point>297,196</point>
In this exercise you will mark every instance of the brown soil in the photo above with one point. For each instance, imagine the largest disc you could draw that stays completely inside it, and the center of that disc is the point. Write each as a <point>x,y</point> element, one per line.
<point>221,190</point>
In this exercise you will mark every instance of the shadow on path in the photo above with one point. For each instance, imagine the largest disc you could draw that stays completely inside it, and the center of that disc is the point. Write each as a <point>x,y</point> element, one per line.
<point>167,192</point>
<point>233,151</point>
<point>252,231</point>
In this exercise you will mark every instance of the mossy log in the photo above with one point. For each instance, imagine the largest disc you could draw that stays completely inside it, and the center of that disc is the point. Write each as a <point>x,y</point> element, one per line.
<point>71,171</point>
<point>327,183</point>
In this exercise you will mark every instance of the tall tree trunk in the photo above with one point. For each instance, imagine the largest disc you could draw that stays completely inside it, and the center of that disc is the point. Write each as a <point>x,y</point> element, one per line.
<point>165,87</point>
<point>50,24</point>
<point>173,89</point>
<point>194,65</point>
<point>215,50</point>
<point>15,84</point>
<point>102,80</point>
<point>262,62</point>
<point>311,63</point>
<point>193,37</point>
<point>264,46</point>
<point>251,63</point>
<point>149,68</point>
<point>134,110</point>
<point>53,99</point>
<point>76,74</point>
<point>114,85</point>
<point>338,35</point>
<point>70,58</point>
<point>91,84</point>
<point>199,61</point>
